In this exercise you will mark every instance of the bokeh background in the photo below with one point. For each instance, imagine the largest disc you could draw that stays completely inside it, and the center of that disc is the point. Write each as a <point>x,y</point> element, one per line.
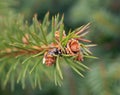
<point>104,76</point>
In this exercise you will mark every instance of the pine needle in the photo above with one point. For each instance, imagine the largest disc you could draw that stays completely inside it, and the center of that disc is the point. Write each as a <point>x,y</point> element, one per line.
<point>58,68</point>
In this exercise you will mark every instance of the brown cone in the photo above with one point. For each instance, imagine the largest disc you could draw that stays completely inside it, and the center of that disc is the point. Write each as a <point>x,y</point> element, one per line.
<point>73,46</point>
<point>49,59</point>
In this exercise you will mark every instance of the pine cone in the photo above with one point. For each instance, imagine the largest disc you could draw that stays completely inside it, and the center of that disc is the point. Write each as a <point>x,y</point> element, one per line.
<point>49,59</point>
<point>73,47</point>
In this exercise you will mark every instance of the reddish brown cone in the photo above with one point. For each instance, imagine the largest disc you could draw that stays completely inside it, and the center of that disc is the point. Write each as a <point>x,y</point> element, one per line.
<point>49,59</point>
<point>73,46</point>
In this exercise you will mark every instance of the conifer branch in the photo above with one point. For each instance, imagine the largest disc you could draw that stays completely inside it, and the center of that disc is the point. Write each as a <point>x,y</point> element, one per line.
<point>29,51</point>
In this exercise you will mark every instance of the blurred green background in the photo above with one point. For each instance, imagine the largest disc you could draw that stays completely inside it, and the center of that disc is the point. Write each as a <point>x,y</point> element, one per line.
<point>104,76</point>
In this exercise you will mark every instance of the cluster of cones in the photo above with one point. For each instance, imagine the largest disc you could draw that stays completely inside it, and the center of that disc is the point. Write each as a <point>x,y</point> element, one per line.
<point>72,48</point>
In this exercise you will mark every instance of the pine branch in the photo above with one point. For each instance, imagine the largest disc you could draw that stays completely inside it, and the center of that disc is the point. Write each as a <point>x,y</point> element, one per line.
<point>38,52</point>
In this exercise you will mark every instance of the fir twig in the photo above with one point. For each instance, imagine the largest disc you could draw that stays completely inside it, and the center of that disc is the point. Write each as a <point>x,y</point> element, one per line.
<point>24,48</point>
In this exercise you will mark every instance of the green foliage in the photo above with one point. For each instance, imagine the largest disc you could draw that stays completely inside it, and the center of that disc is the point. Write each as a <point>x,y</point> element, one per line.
<point>22,51</point>
<point>103,77</point>
<point>6,7</point>
<point>105,21</point>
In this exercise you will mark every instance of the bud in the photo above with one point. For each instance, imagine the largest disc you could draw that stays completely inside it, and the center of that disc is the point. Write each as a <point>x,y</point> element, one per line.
<point>25,39</point>
<point>79,57</point>
<point>57,35</point>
